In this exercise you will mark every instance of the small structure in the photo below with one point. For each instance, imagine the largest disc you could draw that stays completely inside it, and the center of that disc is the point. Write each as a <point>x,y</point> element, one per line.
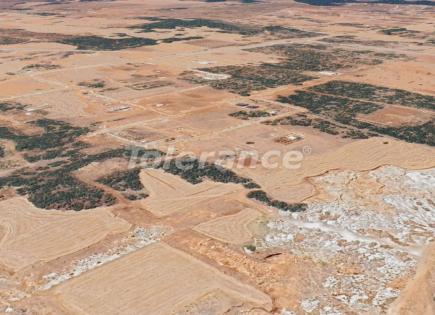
<point>291,138</point>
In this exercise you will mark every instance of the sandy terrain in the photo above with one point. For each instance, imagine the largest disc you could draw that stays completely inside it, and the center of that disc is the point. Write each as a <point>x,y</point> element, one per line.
<point>169,193</point>
<point>231,229</point>
<point>85,84</point>
<point>414,299</point>
<point>178,279</point>
<point>398,116</point>
<point>30,235</point>
<point>360,155</point>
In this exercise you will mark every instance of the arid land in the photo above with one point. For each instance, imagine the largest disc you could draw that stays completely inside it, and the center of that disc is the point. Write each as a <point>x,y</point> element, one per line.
<point>217,157</point>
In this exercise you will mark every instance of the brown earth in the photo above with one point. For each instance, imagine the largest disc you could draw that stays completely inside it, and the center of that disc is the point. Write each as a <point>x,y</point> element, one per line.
<point>218,253</point>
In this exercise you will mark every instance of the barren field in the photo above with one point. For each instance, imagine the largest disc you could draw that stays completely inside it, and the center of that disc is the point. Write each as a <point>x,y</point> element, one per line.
<point>159,289</point>
<point>169,194</point>
<point>232,228</point>
<point>30,236</point>
<point>217,157</point>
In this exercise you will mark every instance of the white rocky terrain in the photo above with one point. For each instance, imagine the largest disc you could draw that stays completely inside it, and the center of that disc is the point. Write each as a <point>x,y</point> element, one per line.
<point>370,228</point>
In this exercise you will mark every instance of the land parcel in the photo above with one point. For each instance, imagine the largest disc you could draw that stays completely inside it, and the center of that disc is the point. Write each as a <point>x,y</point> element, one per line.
<point>160,280</point>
